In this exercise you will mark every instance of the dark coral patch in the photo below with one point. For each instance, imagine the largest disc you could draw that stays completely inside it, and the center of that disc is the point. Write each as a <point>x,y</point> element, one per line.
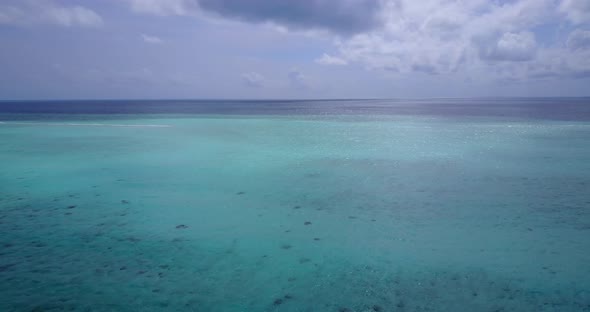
<point>307,223</point>
<point>278,301</point>
<point>182,226</point>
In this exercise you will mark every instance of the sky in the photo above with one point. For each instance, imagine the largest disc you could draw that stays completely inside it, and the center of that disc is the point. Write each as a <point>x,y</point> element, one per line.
<point>270,49</point>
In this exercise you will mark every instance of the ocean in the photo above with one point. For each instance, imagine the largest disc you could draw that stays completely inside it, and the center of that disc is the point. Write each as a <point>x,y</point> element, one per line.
<point>312,205</point>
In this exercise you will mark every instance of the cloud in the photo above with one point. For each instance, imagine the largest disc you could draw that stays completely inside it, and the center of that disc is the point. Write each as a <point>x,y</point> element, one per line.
<point>71,16</point>
<point>447,37</point>
<point>341,17</point>
<point>563,63</point>
<point>510,47</point>
<point>497,39</point>
<point>579,39</point>
<point>297,79</point>
<point>46,12</point>
<point>164,7</point>
<point>151,39</point>
<point>253,79</point>
<point>10,15</point>
<point>327,59</point>
<point>577,11</point>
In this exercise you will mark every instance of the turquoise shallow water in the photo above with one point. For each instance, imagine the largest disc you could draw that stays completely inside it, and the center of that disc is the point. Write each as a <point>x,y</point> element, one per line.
<point>294,213</point>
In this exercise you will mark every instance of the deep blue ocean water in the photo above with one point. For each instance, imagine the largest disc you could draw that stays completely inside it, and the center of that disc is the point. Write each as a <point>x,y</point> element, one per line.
<point>341,205</point>
<point>542,108</point>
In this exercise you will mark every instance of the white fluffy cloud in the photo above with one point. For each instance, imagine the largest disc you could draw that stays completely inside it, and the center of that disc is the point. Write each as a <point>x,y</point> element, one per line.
<point>510,47</point>
<point>151,39</point>
<point>470,37</point>
<point>163,7</point>
<point>46,12</point>
<point>72,16</point>
<point>499,38</point>
<point>253,79</point>
<point>327,59</point>
<point>436,36</point>
<point>578,11</point>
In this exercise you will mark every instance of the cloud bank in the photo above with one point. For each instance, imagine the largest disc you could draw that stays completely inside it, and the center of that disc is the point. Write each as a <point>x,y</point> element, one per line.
<point>303,48</point>
<point>432,37</point>
<point>21,13</point>
<point>342,16</point>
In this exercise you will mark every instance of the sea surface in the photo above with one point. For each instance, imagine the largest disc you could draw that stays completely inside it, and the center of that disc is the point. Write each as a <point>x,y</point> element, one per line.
<point>342,205</point>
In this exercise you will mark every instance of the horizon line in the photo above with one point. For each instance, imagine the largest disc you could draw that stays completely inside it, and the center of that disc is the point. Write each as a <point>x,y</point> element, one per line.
<point>291,99</point>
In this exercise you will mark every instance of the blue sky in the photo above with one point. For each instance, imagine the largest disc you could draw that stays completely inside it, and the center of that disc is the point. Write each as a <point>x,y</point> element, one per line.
<point>52,49</point>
